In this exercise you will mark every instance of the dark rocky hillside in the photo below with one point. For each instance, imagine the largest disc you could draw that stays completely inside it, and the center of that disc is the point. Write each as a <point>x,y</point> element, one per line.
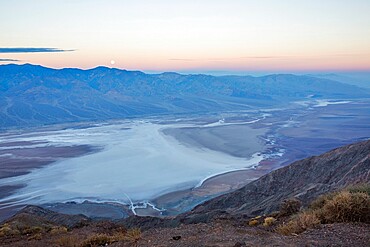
<point>305,179</point>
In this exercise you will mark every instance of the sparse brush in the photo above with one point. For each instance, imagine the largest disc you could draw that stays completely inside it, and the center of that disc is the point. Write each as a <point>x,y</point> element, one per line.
<point>269,221</point>
<point>58,230</point>
<point>347,207</point>
<point>320,201</point>
<point>31,230</point>
<point>133,235</point>
<point>290,206</point>
<point>6,230</point>
<point>253,222</point>
<point>299,224</point>
<point>37,236</point>
<point>67,241</point>
<point>97,240</point>
<point>359,188</point>
<point>344,206</point>
<point>119,235</point>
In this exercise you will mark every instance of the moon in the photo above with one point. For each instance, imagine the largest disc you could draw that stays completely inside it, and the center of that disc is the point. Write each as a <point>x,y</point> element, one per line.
<point>112,62</point>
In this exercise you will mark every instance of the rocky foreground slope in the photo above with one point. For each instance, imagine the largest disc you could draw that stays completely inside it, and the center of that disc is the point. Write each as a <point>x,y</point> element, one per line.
<point>305,179</point>
<point>222,221</point>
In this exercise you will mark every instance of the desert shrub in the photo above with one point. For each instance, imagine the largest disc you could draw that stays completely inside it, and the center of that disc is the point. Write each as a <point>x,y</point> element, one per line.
<point>37,236</point>
<point>119,234</point>
<point>299,224</point>
<point>58,230</point>
<point>67,241</point>
<point>6,230</point>
<point>31,230</point>
<point>269,221</point>
<point>290,206</point>
<point>320,201</point>
<point>97,240</point>
<point>344,206</point>
<point>347,207</point>
<point>133,235</point>
<point>253,222</point>
<point>360,188</point>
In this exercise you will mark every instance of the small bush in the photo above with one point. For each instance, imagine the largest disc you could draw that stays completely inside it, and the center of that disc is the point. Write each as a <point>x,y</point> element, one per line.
<point>31,230</point>
<point>269,221</point>
<point>299,224</point>
<point>347,207</point>
<point>320,201</point>
<point>351,205</point>
<point>67,241</point>
<point>290,206</point>
<point>37,236</point>
<point>253,222</point>
<point>58,230</point>
<point>6,230</point>
<point>359,188</point>
<point>133,235</point>
<point>119,235</point>
<point>97,240</point>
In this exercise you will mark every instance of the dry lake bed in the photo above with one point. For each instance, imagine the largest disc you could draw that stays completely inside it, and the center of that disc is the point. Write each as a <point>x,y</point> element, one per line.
<point>166,165</point>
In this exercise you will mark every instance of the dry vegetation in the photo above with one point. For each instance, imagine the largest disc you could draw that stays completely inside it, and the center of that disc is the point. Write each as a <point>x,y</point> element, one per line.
<point>102,239</point>
<point>350,205</point>
<point>289,207</point>
<point>269,221</point>
<point>61,236</point>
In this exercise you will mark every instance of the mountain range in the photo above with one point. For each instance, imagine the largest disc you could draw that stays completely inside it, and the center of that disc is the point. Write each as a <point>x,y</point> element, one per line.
<point>34,95</point>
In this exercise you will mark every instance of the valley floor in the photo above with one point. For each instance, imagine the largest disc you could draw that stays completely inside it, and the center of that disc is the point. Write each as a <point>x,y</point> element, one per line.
<point>173,164</point>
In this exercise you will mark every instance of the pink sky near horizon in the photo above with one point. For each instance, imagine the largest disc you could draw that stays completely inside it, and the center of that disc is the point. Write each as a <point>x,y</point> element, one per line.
<point>164,35</point>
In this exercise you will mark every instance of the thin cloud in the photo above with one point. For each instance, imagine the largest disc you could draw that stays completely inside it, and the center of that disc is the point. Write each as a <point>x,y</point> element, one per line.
<point>264,57</point>
<point>9,60</point>
<point>31,50</point>
<point>350,55</point>
<point>226,59</point>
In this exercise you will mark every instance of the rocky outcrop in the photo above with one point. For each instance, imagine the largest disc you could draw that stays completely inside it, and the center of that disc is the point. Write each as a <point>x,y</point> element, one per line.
<point>305,179</point>
<point>34,215</point>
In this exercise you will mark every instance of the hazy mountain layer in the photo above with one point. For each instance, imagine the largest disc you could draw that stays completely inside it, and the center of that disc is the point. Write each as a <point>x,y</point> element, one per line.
<point>34,95</point>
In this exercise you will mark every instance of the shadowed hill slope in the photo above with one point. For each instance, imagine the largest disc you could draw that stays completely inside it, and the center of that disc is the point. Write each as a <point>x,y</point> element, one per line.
<point>305,179</point>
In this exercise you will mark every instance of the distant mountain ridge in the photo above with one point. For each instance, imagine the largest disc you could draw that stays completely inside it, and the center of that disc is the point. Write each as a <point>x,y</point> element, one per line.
<point>360,79</point>
<point>35,95</point>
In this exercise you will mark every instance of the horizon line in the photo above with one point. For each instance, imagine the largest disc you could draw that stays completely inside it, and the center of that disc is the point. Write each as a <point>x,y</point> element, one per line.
<point>205,71</point>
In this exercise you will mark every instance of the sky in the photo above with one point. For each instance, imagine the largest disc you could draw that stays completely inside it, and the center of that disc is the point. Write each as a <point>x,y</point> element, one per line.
<point>188,35</point>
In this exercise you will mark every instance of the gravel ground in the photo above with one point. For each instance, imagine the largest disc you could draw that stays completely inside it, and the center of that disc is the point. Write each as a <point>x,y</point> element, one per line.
<point>224,234</point>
